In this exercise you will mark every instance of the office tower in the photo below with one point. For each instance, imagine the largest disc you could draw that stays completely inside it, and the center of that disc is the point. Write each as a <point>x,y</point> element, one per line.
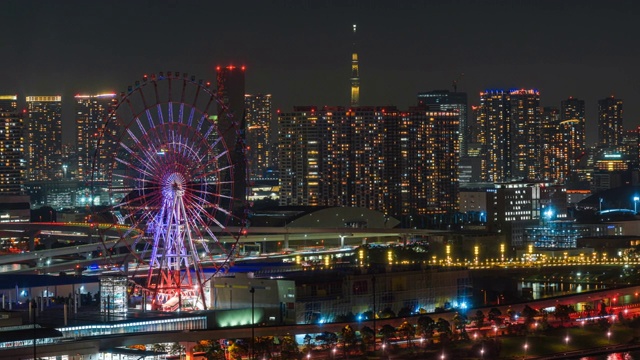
<point>91,113</point>
<point>12,154</point>
<point>355,74</point>
<point>609,124</point>
<point>443,100</point>
<point>230,82</point>
<point>494,118</point>
<point>525,133</point>
<point>44,138</point>
<point>258,119</point>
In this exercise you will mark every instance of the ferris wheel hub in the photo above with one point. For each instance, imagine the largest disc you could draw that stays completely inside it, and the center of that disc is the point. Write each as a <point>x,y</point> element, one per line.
<point>174,185</point>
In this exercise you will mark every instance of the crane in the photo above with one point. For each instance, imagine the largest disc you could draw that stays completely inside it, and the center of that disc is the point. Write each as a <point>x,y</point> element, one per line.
<point>455,82</point>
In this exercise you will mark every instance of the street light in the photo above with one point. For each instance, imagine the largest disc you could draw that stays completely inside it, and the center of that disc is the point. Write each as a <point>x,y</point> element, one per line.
<point>609,336</point>
<point>635,203</point>
<point>253,335</point>
<point>525,350</point>
<point>566,340</point>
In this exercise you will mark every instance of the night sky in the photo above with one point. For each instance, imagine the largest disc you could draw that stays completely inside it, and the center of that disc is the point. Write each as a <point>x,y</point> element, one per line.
<point>299,50</point>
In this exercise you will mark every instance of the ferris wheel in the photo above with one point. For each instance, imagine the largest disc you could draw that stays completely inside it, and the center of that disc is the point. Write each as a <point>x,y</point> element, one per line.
<point>165,170</point>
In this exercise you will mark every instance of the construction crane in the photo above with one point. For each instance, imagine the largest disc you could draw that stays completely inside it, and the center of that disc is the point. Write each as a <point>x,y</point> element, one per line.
<point>455,82</point>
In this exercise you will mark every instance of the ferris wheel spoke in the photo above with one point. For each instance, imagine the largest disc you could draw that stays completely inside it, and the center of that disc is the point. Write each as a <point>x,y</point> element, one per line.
<point>203,212</point>
<point>215,171</point>
<point>149,161</point>
<point>133,167</point>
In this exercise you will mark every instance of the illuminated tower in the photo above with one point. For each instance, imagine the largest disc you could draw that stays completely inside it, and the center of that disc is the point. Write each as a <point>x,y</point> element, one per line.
<point>44,138</point>
<point>525,133</point>
<point>230,82</point>
<point>609,124</point>
<point>355,74</point>
<point>91,112</point>
<point>258,118</point>
<point>11,140</point>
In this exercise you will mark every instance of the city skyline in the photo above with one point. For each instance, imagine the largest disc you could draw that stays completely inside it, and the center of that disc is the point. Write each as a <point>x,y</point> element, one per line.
<point>292,51</point>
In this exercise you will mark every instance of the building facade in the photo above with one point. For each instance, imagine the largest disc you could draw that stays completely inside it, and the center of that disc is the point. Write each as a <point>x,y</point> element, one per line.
<point>12,169</point>
<point>610,129</point>
<point>44,138</point>
<point>91,112</point>
<point>443,100</point>
<point>231,110</point>
<point>373,157</point>
<point>258,137</point>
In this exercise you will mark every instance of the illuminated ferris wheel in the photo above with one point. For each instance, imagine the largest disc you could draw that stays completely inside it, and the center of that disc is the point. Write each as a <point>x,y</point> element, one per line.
<point>168,166</point>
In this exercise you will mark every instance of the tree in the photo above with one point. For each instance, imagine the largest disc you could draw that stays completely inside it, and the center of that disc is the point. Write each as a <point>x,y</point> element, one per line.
<point>211,349</point>
<point>408,332</point>
<point>263,347</point>
<point>387,313</point>
<point>404,312</point>
<point>443,326</point>
<point>327,339</point>
<point>348,338</point>
<point>460,324</point>
<point>368,336</point>
<point>478,319</point>
<point>563,312</point>
<point>237,350</point>
<point>387,332</point>
<point>425,326</point>
<point>494,314</point>
<point>289,348</point>
<point>529,313</point>
<point>176,349</point>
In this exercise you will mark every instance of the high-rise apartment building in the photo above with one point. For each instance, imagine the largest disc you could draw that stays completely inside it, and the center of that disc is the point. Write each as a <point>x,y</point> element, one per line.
<point>494,120</point>
<point>609,124</point>
<point>431,144</point>
<point>44,138</point>
<point>12,169</point>
<point>444,100</point>
<point>525,130</point>
<point>91,112</point>
<point>549,123</point>
<point>511,124</point>
<point>258,136</point>
<point>573,109</point>
<point>230,90</point>
<point>373,157</point>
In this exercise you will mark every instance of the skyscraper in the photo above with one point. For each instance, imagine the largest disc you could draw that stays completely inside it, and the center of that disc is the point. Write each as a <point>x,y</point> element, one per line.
<point>11,139</point>
<point>609,124</point>
<point>230,90</point>
<point>443,100</point>
<point>400,163</point>
<point>573,109</point>
<point>355,74</point>
<point>525,133</point>
<point>91,112</point>
<point>44,138</point>
<point>511,124</point>
<point>258,119</point>
<point>494,119</point>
